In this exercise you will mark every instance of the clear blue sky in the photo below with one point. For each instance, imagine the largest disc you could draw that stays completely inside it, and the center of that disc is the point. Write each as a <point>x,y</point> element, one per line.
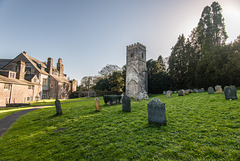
<point>89,34</point>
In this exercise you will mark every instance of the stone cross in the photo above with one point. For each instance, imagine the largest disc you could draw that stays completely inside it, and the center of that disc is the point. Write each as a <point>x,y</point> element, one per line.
<point>230,92</point>
<point>97,104</point>
<point>210,90</point>
<point>156,112</point>
<point>58,107</point>
<point>126,104</point>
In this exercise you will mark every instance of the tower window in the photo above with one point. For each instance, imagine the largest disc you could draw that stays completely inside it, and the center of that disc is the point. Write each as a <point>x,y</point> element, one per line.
<point>132,55</point>
<point>142,55</point>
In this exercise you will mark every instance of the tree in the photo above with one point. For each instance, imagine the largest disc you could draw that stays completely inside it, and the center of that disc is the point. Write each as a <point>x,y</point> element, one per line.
<point>108,70</point>
<point>87,83</point>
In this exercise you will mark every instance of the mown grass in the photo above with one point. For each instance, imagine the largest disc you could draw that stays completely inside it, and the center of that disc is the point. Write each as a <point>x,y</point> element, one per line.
<point>199,127</point>
<point>5,111</point>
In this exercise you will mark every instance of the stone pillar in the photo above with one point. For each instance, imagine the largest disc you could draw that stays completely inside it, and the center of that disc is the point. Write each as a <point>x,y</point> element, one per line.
<point>156,112</point>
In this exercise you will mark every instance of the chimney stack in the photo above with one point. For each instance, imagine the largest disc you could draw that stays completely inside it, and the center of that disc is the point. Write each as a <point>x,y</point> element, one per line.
<point>49,66</point>
<point>21,70</point>
<point>60,67</point>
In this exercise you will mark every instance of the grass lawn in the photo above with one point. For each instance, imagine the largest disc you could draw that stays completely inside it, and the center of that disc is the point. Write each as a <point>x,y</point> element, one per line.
<point>199,127</point>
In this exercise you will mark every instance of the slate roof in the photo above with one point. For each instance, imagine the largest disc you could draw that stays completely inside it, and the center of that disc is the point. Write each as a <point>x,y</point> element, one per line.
<point>4,79</point>
<point>60,79</point>
<point>3,62</point>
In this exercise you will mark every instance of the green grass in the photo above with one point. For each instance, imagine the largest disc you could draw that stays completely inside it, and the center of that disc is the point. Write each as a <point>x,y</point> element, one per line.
<point>199,127</point>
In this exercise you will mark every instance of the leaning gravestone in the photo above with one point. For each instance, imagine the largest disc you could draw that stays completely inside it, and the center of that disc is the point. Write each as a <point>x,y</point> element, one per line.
<point>156,112</point>
<point>218,89</point>
<point>126,104</point>
<point>58,107</point>
<point>180,93</point>
<point>230,92</point>
<point>169,93</point>
<point>210,90</point>
<point>97,104</point>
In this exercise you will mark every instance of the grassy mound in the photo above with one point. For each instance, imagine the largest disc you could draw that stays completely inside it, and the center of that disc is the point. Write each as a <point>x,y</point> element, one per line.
<point>199,127</point>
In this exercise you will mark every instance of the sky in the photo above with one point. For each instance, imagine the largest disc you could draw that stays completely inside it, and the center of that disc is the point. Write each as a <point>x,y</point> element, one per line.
<point>89,34</point>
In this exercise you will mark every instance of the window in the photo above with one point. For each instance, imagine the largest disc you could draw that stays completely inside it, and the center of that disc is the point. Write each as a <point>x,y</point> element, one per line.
<point>29,99</point>
<point>142,56</point>
<point>12,75</point>
<point>6,86</point>
<point>132,55</point>
<point>44,82</point>
<point>35,80</point>
<point>30,87</point>
<point>44,94</point>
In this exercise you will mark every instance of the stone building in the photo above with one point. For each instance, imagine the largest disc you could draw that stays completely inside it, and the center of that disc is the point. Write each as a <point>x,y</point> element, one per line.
<point>13,90</point>
<point>52,80</point>
<point>136,70</point>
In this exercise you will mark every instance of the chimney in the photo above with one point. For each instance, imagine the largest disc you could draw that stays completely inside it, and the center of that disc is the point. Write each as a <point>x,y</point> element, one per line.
<point>60,67</point>
<point>21,70</point>
<point>50,65</point>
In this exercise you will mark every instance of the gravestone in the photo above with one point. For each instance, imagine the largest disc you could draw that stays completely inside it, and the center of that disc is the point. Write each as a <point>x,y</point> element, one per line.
<point>156,112</point>
<point>210,90</point>
<point>164,92</point>
<point>126,104</point>
<point>201,90</point>
<point>180,93</point>
<point>169,93</point>
<point>145,96</point>
<point>230,93</point>
<point>186,92</point>
<point>140,96</point>
<point>58,107</point>
<point>218,89</point>
<point>97,104</point>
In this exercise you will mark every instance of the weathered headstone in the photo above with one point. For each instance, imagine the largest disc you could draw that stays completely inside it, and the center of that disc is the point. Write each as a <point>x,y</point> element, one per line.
<point>156,112</point>
<point>180,93</point>
<point>230,92</point>
<point>169,93</point>
<point>164,92</point>
<point>145,96</point>
<point>218,89</point>
<point>210,90</point>
<point>140,96</point>
<point>126,104</point>
<point>201,90</point>
<point>97,104</point>
<point>186,92</point>
<point>58,107</point>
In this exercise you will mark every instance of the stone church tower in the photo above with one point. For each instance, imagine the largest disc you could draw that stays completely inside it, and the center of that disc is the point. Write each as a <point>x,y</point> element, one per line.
<point>136,70</point>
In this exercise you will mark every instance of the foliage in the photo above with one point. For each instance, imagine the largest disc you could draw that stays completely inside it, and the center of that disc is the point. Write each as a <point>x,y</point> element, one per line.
<point>203,59</point>
<point>199,127</point>
<point>113,99</point>
<point>114,81</point>
<point>158,79</point>
<point>109,70</point>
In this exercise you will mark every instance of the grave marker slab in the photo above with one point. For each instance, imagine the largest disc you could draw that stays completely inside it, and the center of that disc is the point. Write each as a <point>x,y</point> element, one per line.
<point>230,92</point>
<point>210,90</point>
<point>126,104</point>
<point>156,112</point>
<point>58,107</point>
